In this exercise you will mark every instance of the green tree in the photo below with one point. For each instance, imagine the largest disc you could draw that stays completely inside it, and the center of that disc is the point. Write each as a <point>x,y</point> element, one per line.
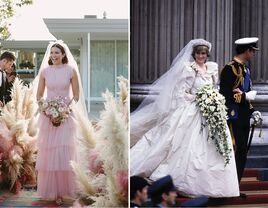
<point>7,10</point>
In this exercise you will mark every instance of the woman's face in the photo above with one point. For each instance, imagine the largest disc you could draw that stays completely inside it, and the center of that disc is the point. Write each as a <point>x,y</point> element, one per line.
<point>201,56</point>
<point>56,56</point>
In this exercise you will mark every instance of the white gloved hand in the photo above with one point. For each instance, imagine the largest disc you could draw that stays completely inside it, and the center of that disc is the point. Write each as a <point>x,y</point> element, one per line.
<point>251,95</point>
<point>256,115</point>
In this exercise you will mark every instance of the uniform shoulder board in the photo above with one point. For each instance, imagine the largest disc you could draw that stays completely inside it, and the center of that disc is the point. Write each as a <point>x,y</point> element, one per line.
<point>230,63</point>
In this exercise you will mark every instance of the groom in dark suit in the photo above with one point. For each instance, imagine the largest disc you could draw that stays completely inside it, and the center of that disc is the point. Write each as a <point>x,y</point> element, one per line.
<point>235,85</point>
<point>7,60</point>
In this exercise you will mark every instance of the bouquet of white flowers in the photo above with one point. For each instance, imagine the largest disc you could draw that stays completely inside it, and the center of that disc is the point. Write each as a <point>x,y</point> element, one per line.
<point>56,109</point>
<point>213,109</point>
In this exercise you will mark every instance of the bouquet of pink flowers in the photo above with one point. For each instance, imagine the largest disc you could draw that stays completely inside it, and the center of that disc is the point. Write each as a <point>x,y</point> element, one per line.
<point>56,109</point>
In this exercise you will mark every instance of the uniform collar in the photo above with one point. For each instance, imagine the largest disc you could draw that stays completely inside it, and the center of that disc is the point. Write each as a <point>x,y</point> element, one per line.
<point>239,61</point>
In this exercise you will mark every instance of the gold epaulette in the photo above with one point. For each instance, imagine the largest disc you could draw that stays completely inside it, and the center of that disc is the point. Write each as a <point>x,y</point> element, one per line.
<point>230,63</point>
<point>238,73</point>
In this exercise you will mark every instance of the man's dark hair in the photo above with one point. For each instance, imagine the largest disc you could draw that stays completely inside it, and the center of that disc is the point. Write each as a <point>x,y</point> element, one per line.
<point>137,183</point>
<point>8,56</point>
<point>242,48</point>
<point>157,198</point>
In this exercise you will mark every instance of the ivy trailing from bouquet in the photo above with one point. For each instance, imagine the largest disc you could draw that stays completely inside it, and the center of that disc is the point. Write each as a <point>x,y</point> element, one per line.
<point>103,182</point>
<point>17,139</point>
<point>214,111</point>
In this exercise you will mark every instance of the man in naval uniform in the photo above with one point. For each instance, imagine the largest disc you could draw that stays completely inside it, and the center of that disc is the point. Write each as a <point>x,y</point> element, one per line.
<point>235,85</point>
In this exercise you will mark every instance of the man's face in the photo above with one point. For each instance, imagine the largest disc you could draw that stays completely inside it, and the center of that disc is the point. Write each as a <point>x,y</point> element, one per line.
<point>143,194</point>
<point>7,64</point>
<point>250,54</point>
<point>170,198</point>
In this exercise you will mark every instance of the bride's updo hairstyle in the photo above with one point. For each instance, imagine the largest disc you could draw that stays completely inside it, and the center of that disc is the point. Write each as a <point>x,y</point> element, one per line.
<point>64,59</point>
<point>199,48</point>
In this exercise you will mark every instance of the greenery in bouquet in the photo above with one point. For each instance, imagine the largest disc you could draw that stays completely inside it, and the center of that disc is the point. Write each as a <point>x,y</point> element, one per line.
<point>214,111</point>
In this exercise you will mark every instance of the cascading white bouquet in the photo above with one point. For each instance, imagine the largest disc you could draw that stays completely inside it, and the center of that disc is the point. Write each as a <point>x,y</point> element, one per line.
<point>214,111</point>
<point>56,109</point>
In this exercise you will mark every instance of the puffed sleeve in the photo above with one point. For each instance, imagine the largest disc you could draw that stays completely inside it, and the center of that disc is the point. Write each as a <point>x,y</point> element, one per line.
<point>213,70</point>
<point>181,94</point>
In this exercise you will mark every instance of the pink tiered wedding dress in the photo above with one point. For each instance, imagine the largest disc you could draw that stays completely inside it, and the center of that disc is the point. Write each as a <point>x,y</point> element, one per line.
<point>56,145</point>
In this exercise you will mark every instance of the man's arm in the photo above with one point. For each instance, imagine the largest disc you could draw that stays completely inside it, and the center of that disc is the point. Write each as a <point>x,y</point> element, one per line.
<point>227,80</point>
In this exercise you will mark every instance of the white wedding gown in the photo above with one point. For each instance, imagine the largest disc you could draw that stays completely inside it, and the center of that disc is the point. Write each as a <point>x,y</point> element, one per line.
<point>177,146</point>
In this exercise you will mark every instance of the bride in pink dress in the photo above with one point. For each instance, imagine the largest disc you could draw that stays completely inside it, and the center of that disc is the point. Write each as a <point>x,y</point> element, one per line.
<point>58,76</point>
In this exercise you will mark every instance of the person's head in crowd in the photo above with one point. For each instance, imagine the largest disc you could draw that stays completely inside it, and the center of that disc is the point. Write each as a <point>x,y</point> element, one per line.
<point>138,190</point>
<point>11,69</point>
<point>163,192</point>
<point>7,59</point>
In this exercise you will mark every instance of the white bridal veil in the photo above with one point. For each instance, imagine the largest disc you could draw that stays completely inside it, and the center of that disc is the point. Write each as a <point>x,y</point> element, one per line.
<point>80,105</point>
<point>159,99</point>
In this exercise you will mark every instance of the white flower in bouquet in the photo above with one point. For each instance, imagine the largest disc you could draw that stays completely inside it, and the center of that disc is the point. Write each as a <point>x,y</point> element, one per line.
<point>213,109</point>
<point>61,109</point>
<point>53,110</point>
<point>47,112</point>
<point>45,105</point>
<point>55,114</point>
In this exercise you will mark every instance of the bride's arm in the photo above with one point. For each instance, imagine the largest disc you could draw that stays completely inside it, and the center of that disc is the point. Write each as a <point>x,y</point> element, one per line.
<point>189,81</point>
<point>41,87</point>
<point>75,86</point>
<point>182,93</point>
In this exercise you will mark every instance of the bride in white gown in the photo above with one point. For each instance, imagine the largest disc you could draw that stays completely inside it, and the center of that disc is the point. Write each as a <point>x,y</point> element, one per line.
<point>167,130</point>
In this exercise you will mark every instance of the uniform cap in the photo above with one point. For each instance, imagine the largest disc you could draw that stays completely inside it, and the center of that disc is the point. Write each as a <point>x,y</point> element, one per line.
<point>249,42</point>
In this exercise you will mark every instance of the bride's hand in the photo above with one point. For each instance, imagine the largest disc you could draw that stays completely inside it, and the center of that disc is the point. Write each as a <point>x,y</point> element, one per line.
<point>56,120</point>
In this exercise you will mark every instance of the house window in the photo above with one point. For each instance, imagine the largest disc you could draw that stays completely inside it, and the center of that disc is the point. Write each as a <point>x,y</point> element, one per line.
<point>122,58</point>
<point>109,59</point>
